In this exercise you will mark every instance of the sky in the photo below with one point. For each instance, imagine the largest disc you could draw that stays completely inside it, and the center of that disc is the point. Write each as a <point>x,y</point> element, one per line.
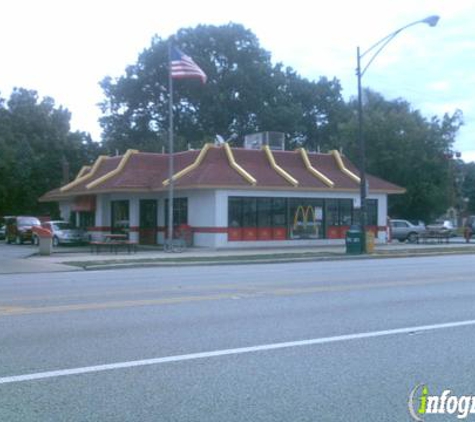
<point>64,48</point>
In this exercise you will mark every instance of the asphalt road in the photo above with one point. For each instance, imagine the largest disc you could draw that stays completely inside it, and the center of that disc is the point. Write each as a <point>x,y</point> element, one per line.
<point>283,342</point>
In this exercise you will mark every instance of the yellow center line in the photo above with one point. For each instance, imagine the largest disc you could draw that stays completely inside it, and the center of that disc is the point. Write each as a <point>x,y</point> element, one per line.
<point>237,294</point>
<point>7,309</point>
<point>129,292</point>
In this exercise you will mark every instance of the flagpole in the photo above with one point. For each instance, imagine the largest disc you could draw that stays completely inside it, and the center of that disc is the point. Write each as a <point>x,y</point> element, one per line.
<point>170,150</point>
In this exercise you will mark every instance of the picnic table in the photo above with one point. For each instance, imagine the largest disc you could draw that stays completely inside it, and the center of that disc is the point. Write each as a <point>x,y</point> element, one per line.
<point>114,242</point>
<point>435,234</point>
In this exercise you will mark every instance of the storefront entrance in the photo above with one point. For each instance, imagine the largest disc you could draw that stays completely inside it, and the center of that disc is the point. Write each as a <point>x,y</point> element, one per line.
<point>148,222</point>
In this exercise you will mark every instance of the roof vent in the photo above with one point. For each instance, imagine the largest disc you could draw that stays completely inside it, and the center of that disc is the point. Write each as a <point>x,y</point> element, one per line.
<point>275,140</point>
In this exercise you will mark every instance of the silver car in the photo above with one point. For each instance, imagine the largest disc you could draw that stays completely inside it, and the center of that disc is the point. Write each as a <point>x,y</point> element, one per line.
<point>64,233</point>
<point>403,230</point>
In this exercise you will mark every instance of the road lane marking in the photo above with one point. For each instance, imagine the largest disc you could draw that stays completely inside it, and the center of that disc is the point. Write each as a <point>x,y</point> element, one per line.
<point>228,352</point>
<point>178,288</point>
<point>242,292</point>
<point>111,305</point>
<point>11,309</point>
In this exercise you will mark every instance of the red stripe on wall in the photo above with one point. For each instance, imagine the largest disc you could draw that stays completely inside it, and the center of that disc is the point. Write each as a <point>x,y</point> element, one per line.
<point>210,229</point>
<point>99,229</point>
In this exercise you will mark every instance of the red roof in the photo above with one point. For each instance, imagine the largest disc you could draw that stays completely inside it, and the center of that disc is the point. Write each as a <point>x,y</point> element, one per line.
<point>212,168</point>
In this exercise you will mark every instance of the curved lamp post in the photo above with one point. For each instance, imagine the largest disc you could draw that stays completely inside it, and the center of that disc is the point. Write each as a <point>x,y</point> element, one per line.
<point>375,50</point>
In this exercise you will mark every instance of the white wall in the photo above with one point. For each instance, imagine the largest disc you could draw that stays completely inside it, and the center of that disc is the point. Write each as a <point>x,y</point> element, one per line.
<point>65,210</point>
<point>209,209</point>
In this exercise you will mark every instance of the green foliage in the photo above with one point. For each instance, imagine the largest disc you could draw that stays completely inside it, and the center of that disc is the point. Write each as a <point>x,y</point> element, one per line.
<point>405,148</point>
<point>36,149</point>
<point>245,93</point>
<point>468,187</point>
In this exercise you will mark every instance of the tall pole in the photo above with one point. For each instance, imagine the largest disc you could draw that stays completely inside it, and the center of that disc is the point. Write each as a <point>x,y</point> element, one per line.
<point>170,149</point>
<point>362,158</point>
<point>375,50</point>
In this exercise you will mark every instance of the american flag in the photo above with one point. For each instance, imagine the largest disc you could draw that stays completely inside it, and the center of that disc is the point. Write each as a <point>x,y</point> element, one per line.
<point>183,66</point>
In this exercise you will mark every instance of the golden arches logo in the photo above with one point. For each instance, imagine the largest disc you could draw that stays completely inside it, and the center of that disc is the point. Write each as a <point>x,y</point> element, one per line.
<point>306,212</point>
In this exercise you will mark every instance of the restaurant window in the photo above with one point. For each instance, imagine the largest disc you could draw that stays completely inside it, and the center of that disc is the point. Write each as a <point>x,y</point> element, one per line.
<point>257,212</point>
<point>180,211</point>
<point>339,212</point>
<point>279,212</point>
<point>120,217</point>
<point>345,212</point>
<point>331,212</point>
<point>235,212</point>
<point>87,219</point>
<point>264,212</point>
<point>306,218</point>
<point>372,212</point>
<point>249,212</point>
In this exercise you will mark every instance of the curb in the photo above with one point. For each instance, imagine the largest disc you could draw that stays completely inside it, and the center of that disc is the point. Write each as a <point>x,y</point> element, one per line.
<point>170,262</point>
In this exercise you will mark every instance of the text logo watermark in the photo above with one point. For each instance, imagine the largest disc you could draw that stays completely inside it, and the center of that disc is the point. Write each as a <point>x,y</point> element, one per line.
<point>421,403</point>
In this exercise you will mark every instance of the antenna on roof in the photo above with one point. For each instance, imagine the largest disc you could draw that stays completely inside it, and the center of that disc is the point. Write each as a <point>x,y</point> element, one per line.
<point>219,140</point>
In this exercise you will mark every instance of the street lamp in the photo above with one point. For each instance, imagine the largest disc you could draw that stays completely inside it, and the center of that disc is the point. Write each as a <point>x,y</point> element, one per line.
<point>375,50</point>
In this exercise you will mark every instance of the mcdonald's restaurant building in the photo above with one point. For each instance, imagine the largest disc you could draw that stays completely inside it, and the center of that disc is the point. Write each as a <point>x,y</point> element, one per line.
<point>227,197</point>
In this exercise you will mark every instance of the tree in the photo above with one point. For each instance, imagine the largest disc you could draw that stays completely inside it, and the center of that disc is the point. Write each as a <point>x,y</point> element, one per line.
<point>468,186</point>
<point>36,150</point>
<point>245,93</point>
<point>407,149</point>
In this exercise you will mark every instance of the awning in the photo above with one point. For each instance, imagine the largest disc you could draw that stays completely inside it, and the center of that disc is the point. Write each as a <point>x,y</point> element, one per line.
<point>84,203</point>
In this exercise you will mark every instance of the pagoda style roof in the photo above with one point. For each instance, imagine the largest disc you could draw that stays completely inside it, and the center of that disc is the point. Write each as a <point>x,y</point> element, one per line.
<point>220,167</point>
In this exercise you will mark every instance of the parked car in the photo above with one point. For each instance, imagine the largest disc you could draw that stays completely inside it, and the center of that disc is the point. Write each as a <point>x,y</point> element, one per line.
<point>403,230</point>
<point>417,223</point>
<point>443,225</point>
<point>64,233</point>
<point>2,231</point>
<point>19,229</point>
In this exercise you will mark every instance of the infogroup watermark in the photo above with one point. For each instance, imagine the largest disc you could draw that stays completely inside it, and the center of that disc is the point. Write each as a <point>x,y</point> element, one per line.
<point>421,403</point>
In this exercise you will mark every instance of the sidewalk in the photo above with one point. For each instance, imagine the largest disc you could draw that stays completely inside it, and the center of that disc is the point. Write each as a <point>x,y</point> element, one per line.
<point>70,259</point>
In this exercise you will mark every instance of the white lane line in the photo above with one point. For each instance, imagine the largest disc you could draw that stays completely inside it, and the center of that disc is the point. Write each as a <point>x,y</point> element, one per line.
<point>226,352</point>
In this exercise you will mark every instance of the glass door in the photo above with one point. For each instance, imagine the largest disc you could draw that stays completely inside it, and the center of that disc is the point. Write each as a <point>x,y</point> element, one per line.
<point>148,222</point>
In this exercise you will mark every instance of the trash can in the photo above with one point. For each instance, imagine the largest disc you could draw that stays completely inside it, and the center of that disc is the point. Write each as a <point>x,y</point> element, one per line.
<point>354,240</point>
<point>45,240</point>
<point>46,245</point>
<point>369,242</point>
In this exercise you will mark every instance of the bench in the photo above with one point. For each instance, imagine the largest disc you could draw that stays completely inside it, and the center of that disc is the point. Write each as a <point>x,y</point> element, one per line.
<point>113,246</point>
<point>438,236</point>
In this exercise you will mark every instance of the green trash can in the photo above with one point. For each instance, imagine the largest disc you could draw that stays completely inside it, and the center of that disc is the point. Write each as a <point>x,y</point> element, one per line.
<point>354,240</point>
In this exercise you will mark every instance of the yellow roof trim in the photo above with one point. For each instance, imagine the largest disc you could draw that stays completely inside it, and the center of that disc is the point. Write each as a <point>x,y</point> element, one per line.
<point>237,167</point>
<point>191,167</point>
<point>277,168</point>
<point>343,168</point>
<point>85,177</point>
<point>83,170</point>
<point>114,172</point>
<point>313,170</point>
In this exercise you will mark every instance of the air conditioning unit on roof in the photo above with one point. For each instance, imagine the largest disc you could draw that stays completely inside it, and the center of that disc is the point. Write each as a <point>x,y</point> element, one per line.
<point>275,140</point>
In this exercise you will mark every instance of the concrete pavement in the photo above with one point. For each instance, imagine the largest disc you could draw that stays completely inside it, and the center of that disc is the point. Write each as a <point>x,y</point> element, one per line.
<point>25,258</point>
